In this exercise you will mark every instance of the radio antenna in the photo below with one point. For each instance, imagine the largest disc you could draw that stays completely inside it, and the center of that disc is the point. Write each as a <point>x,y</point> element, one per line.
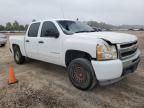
<point>62,11</point>
<point>61,8</point>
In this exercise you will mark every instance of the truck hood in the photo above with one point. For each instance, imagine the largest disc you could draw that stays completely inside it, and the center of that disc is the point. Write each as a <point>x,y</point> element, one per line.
<point>113,37</point>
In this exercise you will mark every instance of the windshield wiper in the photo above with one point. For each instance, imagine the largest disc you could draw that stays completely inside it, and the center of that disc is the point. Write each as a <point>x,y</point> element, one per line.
<point>92,31</point>
<point>81,31</point>
<point>84,31</point>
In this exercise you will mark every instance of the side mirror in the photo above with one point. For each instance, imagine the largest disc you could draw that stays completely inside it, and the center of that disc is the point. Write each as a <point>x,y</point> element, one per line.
<point>52,34</point>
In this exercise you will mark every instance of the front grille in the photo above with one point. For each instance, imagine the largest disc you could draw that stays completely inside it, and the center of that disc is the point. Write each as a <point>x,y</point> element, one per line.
<point>127,50</point>
<point>124,54</point>
<point>128,44</point>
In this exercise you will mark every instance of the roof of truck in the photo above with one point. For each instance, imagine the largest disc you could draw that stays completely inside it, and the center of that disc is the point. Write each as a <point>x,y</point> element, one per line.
<point>60,19</point>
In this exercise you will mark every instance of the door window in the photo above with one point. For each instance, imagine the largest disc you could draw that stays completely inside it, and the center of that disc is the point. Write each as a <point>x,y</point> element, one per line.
<point>49,30</point>
<point>33,30</point>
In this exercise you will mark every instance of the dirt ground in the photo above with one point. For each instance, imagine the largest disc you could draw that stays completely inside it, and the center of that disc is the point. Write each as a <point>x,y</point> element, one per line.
<point>44,85</point>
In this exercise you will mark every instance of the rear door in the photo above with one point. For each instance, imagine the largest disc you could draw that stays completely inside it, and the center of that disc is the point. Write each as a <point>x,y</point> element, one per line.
<point>31,40</point>
<point>49,43</point>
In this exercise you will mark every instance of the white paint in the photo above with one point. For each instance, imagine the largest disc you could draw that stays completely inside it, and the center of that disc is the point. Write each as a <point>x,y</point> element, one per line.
<point>106,70</point>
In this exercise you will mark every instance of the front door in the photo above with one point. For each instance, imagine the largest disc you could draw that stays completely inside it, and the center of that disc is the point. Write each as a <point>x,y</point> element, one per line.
<point>49,43</point>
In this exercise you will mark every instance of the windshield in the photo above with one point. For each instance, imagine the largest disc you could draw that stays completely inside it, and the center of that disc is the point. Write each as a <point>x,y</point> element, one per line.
<point>70,27</point>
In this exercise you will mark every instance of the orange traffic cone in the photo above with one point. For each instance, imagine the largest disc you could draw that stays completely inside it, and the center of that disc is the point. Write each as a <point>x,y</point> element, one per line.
<point>12,78</point>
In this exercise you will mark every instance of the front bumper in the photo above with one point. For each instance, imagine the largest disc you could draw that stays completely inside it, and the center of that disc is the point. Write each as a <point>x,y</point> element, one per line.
<point>114,70</point>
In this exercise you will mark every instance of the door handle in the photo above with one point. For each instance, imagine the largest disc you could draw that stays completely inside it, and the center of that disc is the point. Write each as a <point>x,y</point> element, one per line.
<point>27,41</point>
<point>40,41</point>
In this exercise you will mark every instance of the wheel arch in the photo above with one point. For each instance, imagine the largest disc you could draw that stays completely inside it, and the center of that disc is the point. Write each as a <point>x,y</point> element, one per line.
<point>21,47</point>
<point>18,57</point>
<point>73,54</point>
<point>14,46</point>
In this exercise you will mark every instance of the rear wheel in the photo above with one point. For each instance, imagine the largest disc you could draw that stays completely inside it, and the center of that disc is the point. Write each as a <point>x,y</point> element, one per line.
<point>18,57</point>
<point>81,74</point>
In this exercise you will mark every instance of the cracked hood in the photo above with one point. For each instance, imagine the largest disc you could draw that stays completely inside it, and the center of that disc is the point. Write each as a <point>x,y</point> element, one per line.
<point>113,37</point>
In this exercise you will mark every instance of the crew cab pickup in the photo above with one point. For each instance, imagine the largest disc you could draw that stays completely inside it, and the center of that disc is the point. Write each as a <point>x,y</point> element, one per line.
<point>90,57</point>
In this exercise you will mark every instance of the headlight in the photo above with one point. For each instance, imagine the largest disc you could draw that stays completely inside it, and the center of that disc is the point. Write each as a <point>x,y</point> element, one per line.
<point>106,52</point>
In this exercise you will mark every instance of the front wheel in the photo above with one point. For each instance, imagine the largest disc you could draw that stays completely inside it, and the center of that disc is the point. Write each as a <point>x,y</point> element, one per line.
<point>81,74</point>
<point>18,57</point>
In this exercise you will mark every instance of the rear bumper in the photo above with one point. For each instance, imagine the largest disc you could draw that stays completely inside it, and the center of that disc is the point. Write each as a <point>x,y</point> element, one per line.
<point>114,70</point>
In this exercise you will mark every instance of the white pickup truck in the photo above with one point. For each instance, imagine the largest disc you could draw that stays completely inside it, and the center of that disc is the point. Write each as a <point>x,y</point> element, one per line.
<point>91,57</point>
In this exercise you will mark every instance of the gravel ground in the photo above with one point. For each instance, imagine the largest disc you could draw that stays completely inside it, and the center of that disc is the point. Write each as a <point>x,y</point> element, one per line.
<point>44,85</point>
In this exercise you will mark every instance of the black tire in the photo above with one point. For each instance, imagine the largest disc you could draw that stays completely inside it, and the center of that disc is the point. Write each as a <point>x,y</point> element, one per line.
<point>81,74</point>
<point>18,57</point>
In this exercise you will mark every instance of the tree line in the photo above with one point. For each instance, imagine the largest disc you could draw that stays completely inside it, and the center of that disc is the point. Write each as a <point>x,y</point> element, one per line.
<point>15,26</point>
<point>101,25</point>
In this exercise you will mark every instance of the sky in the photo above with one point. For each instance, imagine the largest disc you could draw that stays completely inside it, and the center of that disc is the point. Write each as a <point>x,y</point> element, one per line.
<point>114,12</point>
